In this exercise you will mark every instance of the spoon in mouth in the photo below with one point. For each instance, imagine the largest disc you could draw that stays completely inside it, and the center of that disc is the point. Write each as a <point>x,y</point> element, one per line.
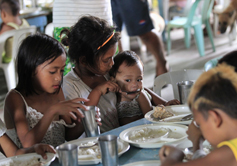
<point>131,92</point>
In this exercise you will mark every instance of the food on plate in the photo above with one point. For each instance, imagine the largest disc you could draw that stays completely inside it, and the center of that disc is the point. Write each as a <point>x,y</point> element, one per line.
<point>161,113</point>
<point>147,134</point>
<point>91,152</point>
<point>31,162</point>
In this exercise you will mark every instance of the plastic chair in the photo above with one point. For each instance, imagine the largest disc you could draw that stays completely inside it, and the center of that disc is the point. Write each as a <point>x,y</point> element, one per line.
<point>205,17</point>
<point>9,68</point>
<point>211,63</point>
<point>173,78</point>
<point>187,23</point>
<point>184,13</point>
<point>49,29</point>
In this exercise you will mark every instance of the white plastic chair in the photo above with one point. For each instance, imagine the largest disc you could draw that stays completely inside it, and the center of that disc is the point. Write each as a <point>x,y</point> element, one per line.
<point>9,68</point>
<point>173,77</point>
<point>49,29</point>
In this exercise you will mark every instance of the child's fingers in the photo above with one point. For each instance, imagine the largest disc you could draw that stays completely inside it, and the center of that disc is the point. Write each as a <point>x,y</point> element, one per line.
<point>50,148</point>
<point>76,114</point>
<point>113,86</point>
<point>72,115</point>
<point>76,100</point>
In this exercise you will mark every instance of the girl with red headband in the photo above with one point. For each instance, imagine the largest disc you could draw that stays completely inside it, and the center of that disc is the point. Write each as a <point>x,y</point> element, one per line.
<point>92,44</point>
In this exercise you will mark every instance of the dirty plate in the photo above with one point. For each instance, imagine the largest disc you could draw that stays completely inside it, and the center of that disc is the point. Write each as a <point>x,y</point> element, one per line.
<point>145,163</point>
<point>94,157</point>
<point>139,135</point>
<point>29,158</point>
<point>179,112</point>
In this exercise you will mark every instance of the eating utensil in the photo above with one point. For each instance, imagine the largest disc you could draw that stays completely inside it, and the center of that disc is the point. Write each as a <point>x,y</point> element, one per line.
<point>188,117</point>
<point>88,146</point>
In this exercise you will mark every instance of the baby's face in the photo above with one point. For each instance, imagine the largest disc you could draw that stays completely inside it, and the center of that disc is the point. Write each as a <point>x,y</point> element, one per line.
<point>130,78</point>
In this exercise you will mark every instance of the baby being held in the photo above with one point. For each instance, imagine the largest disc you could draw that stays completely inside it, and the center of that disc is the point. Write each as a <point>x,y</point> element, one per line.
<point>133,101</point>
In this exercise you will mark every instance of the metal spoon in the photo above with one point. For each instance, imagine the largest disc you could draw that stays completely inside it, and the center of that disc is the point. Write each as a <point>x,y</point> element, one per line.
<point>131,92</point>
<point>188,150</point>
<point>88,146</point>
<point>188,117</point>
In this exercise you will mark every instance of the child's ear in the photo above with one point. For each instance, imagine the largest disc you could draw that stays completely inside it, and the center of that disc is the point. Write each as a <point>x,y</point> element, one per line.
<point>3,14</point>
<point>216,116</point>
<point>82,60</point>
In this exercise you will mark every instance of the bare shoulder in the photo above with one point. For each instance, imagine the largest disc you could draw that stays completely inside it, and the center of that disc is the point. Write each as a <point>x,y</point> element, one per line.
<point>13,100</point>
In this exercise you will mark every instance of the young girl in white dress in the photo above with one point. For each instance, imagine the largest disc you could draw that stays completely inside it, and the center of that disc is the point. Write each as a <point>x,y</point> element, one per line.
<point>35,111</point>
<point>133,101</point>
<point>10,149</point>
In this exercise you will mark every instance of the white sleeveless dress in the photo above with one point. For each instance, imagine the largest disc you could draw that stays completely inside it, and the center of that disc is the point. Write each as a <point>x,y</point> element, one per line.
<point>55,134</point>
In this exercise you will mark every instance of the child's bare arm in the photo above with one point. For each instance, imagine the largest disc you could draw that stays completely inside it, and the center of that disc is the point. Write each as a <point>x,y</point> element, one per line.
<point>157,100</point>
<point>195,135</point>
<point>15,117</point>
<point>100,90</point>
<point>8,146</point>
<point>144,103</point>
<point>40,149</point>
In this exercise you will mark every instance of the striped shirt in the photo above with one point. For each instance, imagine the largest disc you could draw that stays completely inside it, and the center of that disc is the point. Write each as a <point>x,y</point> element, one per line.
<point>67,12</point>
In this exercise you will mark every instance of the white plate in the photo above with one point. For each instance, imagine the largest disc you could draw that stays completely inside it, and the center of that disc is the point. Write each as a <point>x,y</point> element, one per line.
<point>179,112</point>
<point>145,163</point>
<point>27,157</point>
<point>122,148</point>
<point>176,128</point>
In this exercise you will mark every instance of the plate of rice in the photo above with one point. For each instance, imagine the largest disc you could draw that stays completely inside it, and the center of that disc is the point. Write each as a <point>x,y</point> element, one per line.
<point>30,159</point>
<point>145,163</point>
<point>92,155</point>
<point>169,114</point>
<point>154,135</point>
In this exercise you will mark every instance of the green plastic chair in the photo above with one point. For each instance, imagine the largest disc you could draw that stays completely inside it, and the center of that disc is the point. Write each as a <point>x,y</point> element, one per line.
<point>205,17</point>
<point>187,23</point>
<point>211,63</point>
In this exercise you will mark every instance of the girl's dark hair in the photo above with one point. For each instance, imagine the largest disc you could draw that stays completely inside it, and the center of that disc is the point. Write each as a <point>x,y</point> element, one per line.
<point>34,51</point>
<point>230,59</point>
<point>129,57</point>
<point>86,36</point>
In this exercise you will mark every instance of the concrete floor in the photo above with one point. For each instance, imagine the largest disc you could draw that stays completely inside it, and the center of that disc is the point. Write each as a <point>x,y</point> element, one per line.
<point>179,58</point>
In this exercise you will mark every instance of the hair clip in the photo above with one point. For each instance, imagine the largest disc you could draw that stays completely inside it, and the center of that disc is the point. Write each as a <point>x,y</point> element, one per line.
<point>106,41</point>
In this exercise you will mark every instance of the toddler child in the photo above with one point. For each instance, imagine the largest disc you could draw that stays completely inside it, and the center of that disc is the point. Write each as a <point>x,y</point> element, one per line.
<point>11,20</point>
<point>35,111</point>
<point>214,106</point>
<point>133,101</point>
